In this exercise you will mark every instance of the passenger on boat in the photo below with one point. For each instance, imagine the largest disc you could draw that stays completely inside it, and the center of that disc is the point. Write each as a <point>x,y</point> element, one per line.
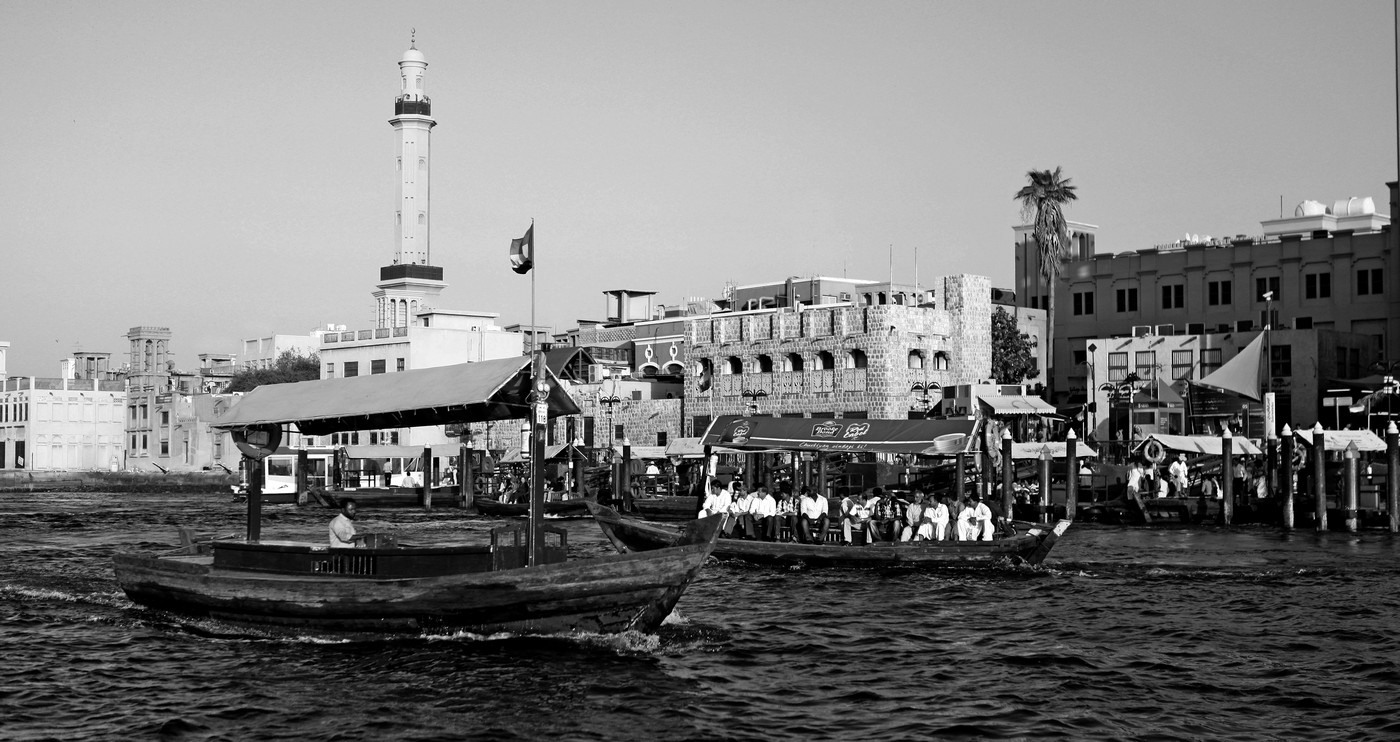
<point>913,518</point>
<point>764,513</point>
<point>812,514</point>
<point>854,513</point>
<point>975,520</point>
<point>936,518</point>
<point>886,518</point>
<point>342,530</point>
<point>718,501</point>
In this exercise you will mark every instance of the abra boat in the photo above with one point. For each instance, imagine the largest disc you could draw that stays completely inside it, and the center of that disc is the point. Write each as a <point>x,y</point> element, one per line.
<point>505,585</point>
<point>556,508</point>
<point>670,508</point>
<point>631,535</point>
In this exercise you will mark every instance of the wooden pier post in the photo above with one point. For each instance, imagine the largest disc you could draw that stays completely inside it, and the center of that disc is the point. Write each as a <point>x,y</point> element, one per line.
<point>425,491</point>
<point>302,480</point>
<point>1046,459</point>
<point>1227,478</point>
<point>1392,475</point>
<point>1319,476</point>
<point>1008,475</point>
<point>959,486</point>
<point>255,485</point>
<point>1286,475</point>
<point>466,478</point>
<point>1071,474</point>
<point>625,476</point>
<point>1353,483</point>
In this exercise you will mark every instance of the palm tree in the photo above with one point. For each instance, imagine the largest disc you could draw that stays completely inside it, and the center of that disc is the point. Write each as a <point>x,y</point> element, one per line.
<point>1044,196</point>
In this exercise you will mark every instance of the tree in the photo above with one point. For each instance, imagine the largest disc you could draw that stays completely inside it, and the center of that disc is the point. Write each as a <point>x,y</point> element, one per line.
<point>290,366</point>
<point>1044,197</point>
<point>1012,360</point>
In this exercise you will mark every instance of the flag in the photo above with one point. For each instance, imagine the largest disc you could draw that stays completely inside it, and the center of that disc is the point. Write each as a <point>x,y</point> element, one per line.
<point>522,252</point>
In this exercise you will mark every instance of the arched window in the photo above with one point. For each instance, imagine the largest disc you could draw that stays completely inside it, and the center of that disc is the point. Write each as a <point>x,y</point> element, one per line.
<point>765,364</point>
<point>825,362</point>
<point>792,362</point>
<point>703,367</point>
<point>916,360</point>
<point>732,365</point>
<point>940,360</point>
<point>868,298</point>
<point>882,297</point>
<point>856,358</point>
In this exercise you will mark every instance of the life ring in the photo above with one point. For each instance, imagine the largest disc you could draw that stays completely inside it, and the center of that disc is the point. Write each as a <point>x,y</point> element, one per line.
<point>1300,457</point>
<point>1155,451</point>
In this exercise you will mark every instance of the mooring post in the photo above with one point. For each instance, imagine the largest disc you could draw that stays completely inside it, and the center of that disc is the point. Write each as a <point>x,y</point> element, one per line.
<point>425,492</point>
<point>959,486</point>
<point>1008,475</point>
<point>626,475</point>
<point>1285,470</point>
<point>1319,476</point>
<point>1046,458</point>
<point>1392,475</point>
<point>255,485</point>
<point>1071,474</point>
<point>1227,477</point>
<point>466,478</point>
<point>1353,482</point>
<point>303,481</point>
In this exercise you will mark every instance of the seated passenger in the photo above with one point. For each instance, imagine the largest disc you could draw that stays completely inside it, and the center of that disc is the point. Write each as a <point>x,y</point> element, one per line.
<point>718,501</point>
<point>741,504</point>
<point>786,514</point>
<point>342,530</point>
<point>975,520</point>
<point>812,514</point>
<point>937,519</point>
<point>763,512</point>
<point>854,513</point>
<point>885,519</point>
<point>913,518</point>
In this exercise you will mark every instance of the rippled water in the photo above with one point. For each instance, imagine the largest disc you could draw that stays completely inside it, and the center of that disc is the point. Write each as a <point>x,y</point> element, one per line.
<point>1142,634</point>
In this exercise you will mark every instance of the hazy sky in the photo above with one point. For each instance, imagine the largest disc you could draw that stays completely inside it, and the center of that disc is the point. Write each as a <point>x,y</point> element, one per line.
<point>227,169</point>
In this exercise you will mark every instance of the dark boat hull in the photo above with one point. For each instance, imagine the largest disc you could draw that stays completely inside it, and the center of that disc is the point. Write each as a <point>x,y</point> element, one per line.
<point>1031,547</point>
<point>606,594</point>
<point>555,508</point>
<point>668,508</point>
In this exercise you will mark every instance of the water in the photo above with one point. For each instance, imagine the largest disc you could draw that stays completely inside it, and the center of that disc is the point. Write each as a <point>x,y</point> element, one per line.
<point>1124,634</point>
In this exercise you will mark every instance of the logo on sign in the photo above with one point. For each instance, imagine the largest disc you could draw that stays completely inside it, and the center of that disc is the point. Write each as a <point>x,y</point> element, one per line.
<point>738,434</point>
<point>826,430</point>
<point>856,430</point>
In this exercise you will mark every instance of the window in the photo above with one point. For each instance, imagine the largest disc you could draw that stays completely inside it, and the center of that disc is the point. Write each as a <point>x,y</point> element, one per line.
<point>1281,361</point>
<point>618,434</point>
<point>376,366</point>
<point>352,368</point>
<point>660,438</point>
<point>856,359</point>
<point>1210,360</point>
<point>1218,293</point>
<point>732,365</point>
<point>165,417</point>
<point>1182,361</point>
<point>1145,363</point>
<point>1370,281</point>
<point>1265,285</point>
<point>1117,366</point>
<point>765,364</point>
<point>330,370</point>
<point>165,448</point>
<point>399,365</point>
<point>1317,285</point>
<point>1174,296</point>
<point>1083,303</point>
<point>825,361</point>
<point>1127,300</point>
<point>793,362</point>
<point>636,395</point>
<point>916,360</point>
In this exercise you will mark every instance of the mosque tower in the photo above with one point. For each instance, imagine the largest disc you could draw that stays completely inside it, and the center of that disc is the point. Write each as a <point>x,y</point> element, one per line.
<point>411,284</point>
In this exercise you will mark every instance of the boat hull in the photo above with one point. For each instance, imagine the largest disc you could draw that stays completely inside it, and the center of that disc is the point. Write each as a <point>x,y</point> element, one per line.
<point>633,535</point>
<point>555,508</point>
<point>604,595</point>
<point>668,508</point>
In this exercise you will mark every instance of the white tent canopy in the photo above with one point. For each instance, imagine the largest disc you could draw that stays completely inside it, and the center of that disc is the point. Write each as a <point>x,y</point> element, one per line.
<point>1337,440</point>
<point>1201,444</point>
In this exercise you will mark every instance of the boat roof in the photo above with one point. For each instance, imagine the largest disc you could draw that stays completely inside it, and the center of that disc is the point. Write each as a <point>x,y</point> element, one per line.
<point>690,448</point>
<point>923,436</point>
<point>1018,405</point>
<point>1203,444</point>
<point>465,392</point>
<point>1058,449</point>
<point>1338,440</point>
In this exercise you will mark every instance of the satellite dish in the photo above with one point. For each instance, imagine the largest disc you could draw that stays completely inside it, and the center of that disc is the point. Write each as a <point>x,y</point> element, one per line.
<point>258,441</point>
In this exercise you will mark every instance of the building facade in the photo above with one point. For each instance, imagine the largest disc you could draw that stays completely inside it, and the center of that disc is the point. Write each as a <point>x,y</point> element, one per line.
<point>61,424</point>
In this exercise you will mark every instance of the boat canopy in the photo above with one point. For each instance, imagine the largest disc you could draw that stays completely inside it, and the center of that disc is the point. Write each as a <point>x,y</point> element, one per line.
<point>1058,449</point>
<point>643,452</point>
<point>1202,444</point>
<point>440,450</point>
<point>928,437</point>
<point>553,452</point>
<point>1017,405</point>
<point>690,448</point>
<point>1337,440</point>
<point>465,392</point>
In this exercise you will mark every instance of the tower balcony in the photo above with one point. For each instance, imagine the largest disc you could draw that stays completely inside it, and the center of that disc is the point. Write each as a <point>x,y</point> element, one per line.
<point>422,107</point>
<point>410,270</point>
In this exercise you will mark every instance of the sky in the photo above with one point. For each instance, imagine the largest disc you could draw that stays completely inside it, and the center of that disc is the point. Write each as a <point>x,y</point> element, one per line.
<point>227,170</point>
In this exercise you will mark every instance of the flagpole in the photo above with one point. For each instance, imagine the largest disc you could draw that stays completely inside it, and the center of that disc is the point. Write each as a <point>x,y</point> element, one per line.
<point>539,394</point>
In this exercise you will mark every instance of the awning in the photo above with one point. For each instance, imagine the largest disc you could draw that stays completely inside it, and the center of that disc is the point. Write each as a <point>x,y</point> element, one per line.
<point>558,451</point>
<point>465,392</point>
<point>1017,405</point>
<point>1202,444</point>
<point>440,450</point>
<point>1337,440</point>
<point>691,448</point>
<point>929,437</point>
<point>1158,393</point>
<point>1058,449</point>
<point>1239,375</point>
<point>643,452</point>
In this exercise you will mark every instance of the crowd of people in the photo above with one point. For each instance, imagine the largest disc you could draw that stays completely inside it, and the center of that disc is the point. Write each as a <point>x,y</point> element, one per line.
<point>876,514</point>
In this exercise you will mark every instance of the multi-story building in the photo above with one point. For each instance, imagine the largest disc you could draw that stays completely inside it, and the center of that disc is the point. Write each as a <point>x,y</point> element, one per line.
<point>264,351</point>
<point>1326,268</point>
<point>61,423</point>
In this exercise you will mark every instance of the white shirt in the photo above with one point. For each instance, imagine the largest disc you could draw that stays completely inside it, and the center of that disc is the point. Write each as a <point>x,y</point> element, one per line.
<point>342,532</point>
<point>717,502</point>
<point>814,507</point>
<point>764,507</point>
<point>939,515</point>
<point>744,504</point>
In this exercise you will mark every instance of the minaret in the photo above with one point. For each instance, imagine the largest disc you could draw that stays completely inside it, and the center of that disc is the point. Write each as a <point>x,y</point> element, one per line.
<point>411,284</point>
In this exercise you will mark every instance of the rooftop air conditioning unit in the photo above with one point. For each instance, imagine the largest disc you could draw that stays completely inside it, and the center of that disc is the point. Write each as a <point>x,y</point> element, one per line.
<point>845,296</point>
<point>1303,323</point>
<point>1165,329</point>
<point>1196,328</point>
<point>1244,325</point>
<point>1223,327</point>
<point>1142,331</point>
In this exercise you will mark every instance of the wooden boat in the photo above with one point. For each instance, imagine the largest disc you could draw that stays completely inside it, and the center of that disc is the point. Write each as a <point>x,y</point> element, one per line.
<point>629,535</point>
<point>477,588</point>
<point>670,508</point>
<point>554,508</point>
<point>500,586</point>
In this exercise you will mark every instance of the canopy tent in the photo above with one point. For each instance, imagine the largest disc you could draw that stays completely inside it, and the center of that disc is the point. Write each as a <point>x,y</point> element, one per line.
<point>1017,405</point>
<point>1201,444</point>
<point>1338,440</point>
<point>1240,375</point>
<point>556,452</point>
<point>1058,450</point>
<point>691,448</point>
<point>642,452</point>
<point>467,392</point>
<point>928,437</point>
<point>440,450</point>
<point>1158,393</point>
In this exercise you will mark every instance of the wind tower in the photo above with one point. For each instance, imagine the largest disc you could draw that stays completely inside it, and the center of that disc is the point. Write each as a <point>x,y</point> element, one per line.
<point>410,284</point>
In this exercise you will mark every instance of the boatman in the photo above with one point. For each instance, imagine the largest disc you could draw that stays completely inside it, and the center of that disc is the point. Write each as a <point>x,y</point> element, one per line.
<point>343,526</point>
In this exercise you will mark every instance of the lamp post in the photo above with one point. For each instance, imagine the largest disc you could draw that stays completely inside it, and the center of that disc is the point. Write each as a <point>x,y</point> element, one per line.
<point>923,389</point>
<point>753,395</point>
<point>609,402</point>
<point>1093,403</point>
<point>1122,393</point>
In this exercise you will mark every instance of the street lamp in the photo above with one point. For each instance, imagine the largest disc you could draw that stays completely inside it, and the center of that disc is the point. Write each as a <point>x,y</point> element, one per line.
<point>754,395</point>
<point>924,390</point>
<point>609,402</point>
<point>1122,393</point>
